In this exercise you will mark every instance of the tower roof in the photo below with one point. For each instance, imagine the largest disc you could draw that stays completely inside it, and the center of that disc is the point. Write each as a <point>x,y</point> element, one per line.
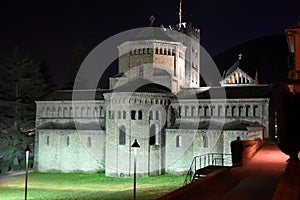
<point>142,86</point>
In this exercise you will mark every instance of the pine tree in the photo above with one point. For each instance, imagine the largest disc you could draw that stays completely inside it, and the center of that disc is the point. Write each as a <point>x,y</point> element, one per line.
<point>21,83</point>
<point>79,53</point>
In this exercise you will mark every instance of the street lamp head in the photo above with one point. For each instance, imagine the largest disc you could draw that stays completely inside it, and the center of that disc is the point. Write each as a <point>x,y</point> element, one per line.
<point>135,144</point>
<point>27,149</point>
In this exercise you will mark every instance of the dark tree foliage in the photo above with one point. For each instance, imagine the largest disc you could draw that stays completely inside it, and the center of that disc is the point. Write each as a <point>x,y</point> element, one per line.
<point>21,83</point>
<point>80,51</point>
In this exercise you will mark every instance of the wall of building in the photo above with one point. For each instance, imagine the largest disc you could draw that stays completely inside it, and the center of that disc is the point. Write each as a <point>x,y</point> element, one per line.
<point>70,150</point>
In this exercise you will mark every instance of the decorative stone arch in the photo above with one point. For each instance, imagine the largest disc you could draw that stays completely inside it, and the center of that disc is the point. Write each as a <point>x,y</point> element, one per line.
<point>220,109</point>
<point>233,111</point>
<point>186,111</point>
<point>205,113</point>
<point>212,110</point>
<point>200,111</point>
<point>247,113</point>
<point>193,111</point>
<point>65,112</point>
<point>240,111</point>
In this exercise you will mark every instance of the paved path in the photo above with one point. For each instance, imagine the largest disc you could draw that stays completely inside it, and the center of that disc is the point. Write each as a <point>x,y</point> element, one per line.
<point>254,181</point>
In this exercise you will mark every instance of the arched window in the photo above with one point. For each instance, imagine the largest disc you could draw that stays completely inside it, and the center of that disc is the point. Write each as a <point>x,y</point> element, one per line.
<point>152,135</point>
<point>140,115</point>
<point>133,114</point>
<point>193,111</point>
<point>233,108</point>
<point>178,141</point>
<point>255,109</point>
<point>205,141</point>
<point>156,50</point>
<point>219,111</point>
<point>151,115</point>
<point>179,111</point>
<point>124,114</point>
<point>68,140</point>
<point>113,114</point>
<point>240,110</point>
<point>206,111</point>
<point>89,142</point>
<point>48,140</point>
<point>122,135</point>
<point>247,111</point>
<point>227,111</point>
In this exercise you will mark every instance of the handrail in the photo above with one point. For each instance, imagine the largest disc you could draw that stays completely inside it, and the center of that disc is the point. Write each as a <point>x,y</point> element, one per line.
<point>205,160</point>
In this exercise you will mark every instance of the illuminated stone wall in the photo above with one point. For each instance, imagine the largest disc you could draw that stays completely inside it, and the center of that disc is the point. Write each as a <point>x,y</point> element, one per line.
<point>70,150</point>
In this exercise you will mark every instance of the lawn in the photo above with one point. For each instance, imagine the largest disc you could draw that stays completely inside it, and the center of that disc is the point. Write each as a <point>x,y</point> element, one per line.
<point>86,186</point>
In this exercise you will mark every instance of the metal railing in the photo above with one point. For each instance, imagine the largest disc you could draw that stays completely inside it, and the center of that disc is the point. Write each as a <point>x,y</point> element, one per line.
<point>210,159</point>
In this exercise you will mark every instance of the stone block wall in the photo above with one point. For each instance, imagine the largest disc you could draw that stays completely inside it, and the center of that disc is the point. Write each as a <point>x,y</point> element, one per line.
<point>70,150</point>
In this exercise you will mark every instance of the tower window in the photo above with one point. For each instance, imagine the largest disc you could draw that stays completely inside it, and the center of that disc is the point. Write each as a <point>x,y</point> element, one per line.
<point>205,141</point>
<point>122,135</point>
<point>48,140</point>
<point>178,141</point>
<point>68,140</point>
<point>133,112</point>
<point>152,135</point>
<point>89,142</point>
<point>140,114</point>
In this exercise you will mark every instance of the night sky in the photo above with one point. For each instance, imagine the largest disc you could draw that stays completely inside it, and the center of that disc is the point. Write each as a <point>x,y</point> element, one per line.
<point>48,30</point>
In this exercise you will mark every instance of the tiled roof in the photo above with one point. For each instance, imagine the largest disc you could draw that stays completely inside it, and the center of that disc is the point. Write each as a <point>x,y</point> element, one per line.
<point>233,92</point>
<point>66,95</point>
<point>142,86</point>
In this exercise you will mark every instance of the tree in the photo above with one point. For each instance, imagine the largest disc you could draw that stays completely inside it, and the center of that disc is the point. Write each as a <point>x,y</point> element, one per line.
<point>21,83</point>
<point>79,53</point>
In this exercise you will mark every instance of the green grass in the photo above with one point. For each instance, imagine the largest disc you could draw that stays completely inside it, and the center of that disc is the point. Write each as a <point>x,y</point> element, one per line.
<point>86,186</point>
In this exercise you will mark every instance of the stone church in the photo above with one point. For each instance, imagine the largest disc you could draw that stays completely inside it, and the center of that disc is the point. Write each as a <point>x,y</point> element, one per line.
<point>155,98</point>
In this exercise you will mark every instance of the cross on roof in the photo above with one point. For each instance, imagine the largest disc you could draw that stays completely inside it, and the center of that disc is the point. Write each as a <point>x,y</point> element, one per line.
<point>240,56</point>
<point>152,19</point>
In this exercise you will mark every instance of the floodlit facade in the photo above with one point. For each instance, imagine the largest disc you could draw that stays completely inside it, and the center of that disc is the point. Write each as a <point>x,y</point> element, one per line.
<point>155,98</point>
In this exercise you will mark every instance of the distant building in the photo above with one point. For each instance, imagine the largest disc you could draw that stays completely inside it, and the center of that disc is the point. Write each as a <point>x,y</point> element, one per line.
<point>155,98</point>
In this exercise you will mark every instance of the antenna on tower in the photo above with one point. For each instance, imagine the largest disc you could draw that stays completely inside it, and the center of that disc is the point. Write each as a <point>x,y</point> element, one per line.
<point>180,13</point>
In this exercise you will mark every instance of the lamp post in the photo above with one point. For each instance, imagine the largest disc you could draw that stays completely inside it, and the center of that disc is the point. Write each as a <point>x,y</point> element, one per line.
<point>27,150</point>
<point>135,146</point>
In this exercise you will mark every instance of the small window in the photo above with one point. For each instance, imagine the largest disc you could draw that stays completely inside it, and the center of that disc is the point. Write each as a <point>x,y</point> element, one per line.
<point>205,141</point>
<point>152,135</point>
<point>178,141</point>
<point>48,140</point>
<point>156,50</point>
<point>89,142</point>
<point>151,115</point>
<point>68,140</point>
<point>122,135</point>
<point>133,114</point>
<point>124,114</point>
<point>140,115</point>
